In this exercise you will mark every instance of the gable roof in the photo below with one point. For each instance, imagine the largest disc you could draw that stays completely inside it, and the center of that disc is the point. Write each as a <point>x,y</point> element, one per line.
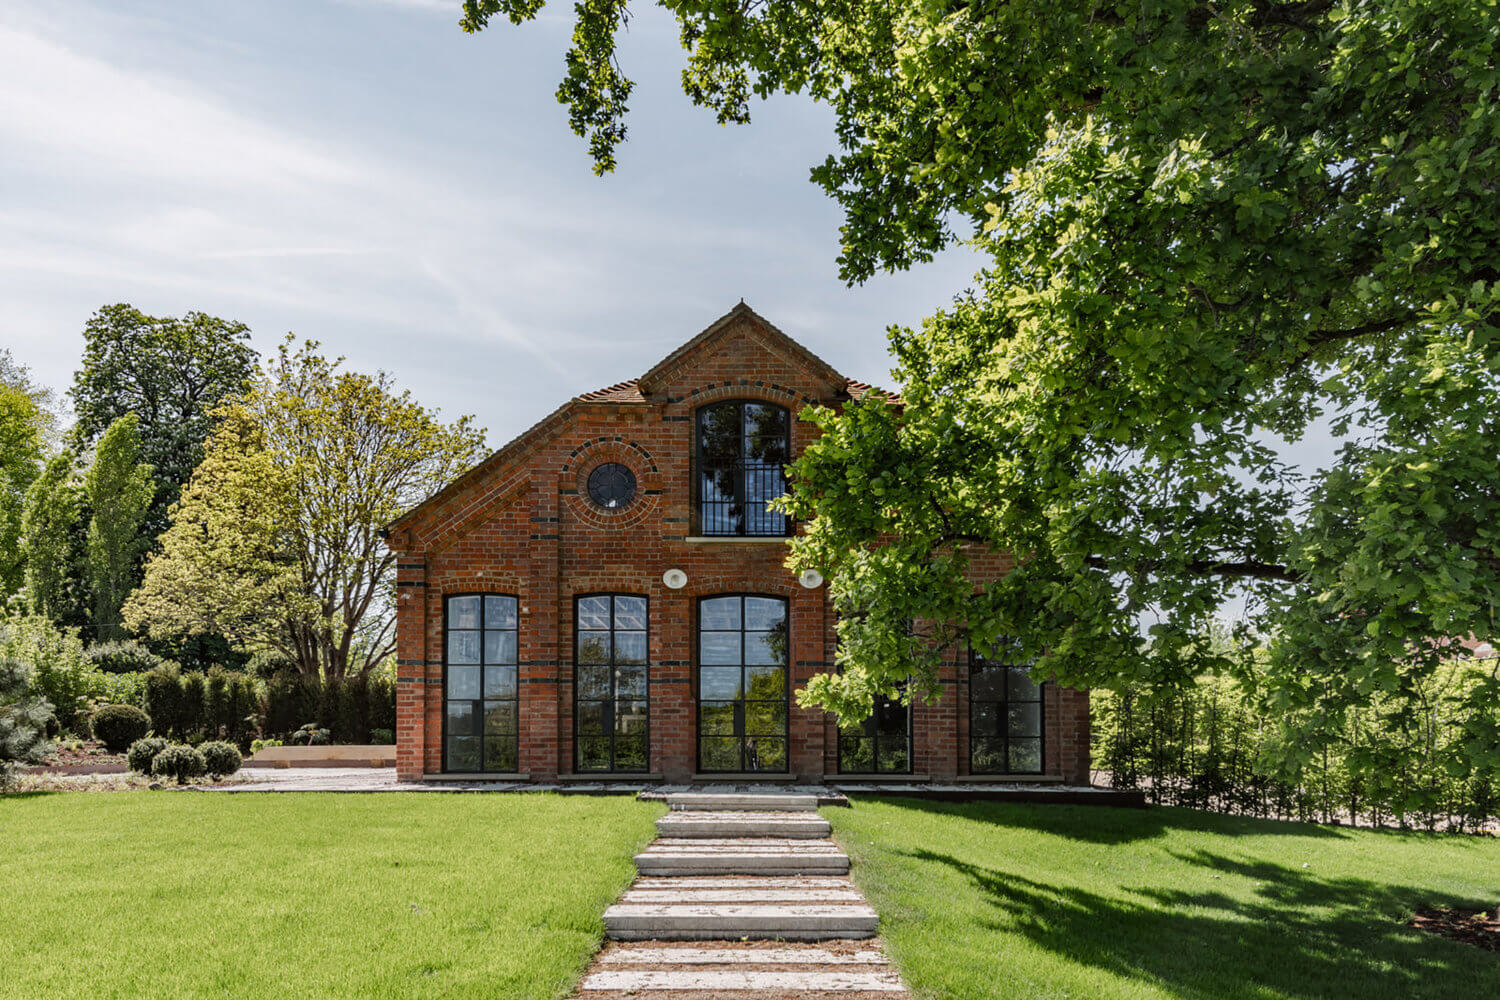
<point>637,391</point>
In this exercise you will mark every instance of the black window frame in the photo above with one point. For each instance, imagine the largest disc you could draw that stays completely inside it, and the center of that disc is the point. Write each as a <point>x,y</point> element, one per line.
<point>479,702</point>
<point>1002,714</point>
<point>870,730</point>
<point>701,523</point>
<point>740,702</point>
<point>614,698</point>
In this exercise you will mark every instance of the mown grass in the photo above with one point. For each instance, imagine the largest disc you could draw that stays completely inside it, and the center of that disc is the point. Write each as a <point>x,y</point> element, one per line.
<point>176,895</point>
<point>1022,901</point>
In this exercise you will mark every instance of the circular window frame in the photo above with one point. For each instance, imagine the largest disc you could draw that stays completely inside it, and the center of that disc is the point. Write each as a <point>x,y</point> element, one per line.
<point>629,500</point>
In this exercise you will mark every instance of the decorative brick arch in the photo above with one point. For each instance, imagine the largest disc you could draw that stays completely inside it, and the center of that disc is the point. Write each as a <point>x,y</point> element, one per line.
<point>573,482</point>
<point>713,392</point>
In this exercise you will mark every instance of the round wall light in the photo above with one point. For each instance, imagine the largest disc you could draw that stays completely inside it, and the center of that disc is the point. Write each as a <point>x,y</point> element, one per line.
<point>810,578</point>
<point>675,579</point>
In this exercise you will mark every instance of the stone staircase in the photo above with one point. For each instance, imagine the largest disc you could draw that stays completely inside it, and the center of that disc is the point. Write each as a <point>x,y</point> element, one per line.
<point>743,894</point>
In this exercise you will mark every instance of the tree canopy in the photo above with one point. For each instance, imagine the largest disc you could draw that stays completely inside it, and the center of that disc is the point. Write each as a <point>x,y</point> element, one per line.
<point>1208,230</point>
<point>119,488</point>
<point>171,373</point>
<point>20,463</point>
<point>276,542</point>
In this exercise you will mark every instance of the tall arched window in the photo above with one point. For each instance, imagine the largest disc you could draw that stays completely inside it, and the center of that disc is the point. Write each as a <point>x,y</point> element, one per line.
<point>480,704</point>
<point>743,448</point>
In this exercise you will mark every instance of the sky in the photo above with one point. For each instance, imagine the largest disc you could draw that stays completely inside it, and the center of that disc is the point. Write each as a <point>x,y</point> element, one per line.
<point>363,173</point>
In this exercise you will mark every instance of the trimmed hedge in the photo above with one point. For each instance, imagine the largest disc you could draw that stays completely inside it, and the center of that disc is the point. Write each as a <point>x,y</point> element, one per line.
<point>118,726</point>
<point>180,762</point>
<point>220,758</point>
<point>143,752</point>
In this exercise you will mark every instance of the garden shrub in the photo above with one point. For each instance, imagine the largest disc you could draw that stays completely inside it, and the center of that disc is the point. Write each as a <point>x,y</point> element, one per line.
<point>143,752</point>
<point>118,726</point>
<point>220,758</point>
<point>123,657</point>
<point>60,672</point>
<point>178,761</point>
<point>163,700</point>
<point>383,737</point>
<point>192,708</point>
<point>310,735</point>
<point>23,719</point>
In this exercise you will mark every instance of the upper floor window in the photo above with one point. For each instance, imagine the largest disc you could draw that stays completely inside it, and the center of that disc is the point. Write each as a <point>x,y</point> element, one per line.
<point>742,450</point>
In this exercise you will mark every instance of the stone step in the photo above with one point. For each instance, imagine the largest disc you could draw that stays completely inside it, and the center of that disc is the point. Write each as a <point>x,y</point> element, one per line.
<point>731,955</point>
<point>713,980</point>
<point>743,801</point>
<point>710,824</point>
<point>790,922</point>
<point>747,856</point>
<point>740,894</point>
<point>746,882</point>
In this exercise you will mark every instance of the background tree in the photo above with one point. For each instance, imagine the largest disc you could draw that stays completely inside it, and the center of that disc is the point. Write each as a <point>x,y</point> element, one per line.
<point>1209,229</point>
<point>276,542</point>
<point>49,409</point>
<point>119,488</point>
<point>54,529</point>
<point>171,373</point>
<point>20,462</point>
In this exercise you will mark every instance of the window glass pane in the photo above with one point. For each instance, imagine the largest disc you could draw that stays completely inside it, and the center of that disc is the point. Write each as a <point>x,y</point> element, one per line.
<point>763,753</point>
<point>765,682</point>
<point>1025,756</point>
<point>763,483</point>
<point>718,683</point>
<point>592,718</point>
<point>500,647</point>
<point>716,718</point>
<point>893,751</point>
<point>630,753</point>
<point>593,647</point>
<point>719,647</point>
<point>463,753</point>
<point>765,432</point>
<point>765,647</point>
<point>1020,687</point>
<point>499,718</point>
<point>463,647</point>
<point>856,755</point>
<point>630,718</point>
<point>764,613</point>
<point>719,432</point>
<point>765,718</point>
<point>630,613</point>
<point>984,718</point>
<point>499,682</point>
<point>1024,718</point>
<point>500,754</point>
<point>593,682</point>
<point>986,755</point>
<point>463,612</point>
<point>463,682</point>
<point>890,717</point>
<point>499,612</point>
<point>630,647</point>
<point>719,754</point>
<point>987,684</point>
<point>593,754</point>
<point>461,718</point>
<point>593,612</point>
<point>719,613</point>
<point>630,682</point>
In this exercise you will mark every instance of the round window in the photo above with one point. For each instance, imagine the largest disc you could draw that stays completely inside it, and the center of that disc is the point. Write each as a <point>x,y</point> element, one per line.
<point>612,485</point>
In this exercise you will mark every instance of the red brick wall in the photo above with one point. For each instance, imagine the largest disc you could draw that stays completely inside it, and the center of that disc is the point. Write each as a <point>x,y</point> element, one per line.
<point>526,527</point>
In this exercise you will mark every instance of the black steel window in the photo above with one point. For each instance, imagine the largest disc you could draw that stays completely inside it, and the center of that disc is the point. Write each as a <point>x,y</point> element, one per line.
<point>879,745</point>
<point>742,452</point>
<point>1005,718</point>
<point>481,710</point>
<point>611,718</point>
<point>742,684</point>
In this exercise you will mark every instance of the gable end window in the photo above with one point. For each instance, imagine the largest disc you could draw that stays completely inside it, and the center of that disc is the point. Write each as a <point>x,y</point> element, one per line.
<point>1005,717</point>
<point>741,452</point>
<point>480,702</point>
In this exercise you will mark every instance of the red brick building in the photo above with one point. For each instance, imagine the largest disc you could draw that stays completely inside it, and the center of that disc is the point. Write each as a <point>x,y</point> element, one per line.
<point>606,595</point>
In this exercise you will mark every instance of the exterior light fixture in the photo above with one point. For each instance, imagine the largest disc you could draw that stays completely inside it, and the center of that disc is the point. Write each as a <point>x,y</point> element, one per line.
<point>810,579</point>
<point>675,579</point>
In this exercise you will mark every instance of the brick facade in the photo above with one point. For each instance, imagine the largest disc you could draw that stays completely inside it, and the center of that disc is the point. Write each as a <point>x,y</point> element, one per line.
<point>521,523</point>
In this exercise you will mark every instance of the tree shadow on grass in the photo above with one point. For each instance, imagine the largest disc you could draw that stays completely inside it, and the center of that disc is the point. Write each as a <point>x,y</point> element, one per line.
<point>1297,935</point>
<point>1109,825</point>
<point>33,794</point>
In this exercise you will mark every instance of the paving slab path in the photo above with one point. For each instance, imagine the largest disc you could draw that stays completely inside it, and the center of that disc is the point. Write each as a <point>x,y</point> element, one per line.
<point>742,896</point>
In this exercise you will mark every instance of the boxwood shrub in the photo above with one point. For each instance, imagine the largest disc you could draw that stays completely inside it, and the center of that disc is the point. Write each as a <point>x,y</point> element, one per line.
<point>142,752</point>
<point>220,758</point>
<point>118,726</point>
<point>178,761</point>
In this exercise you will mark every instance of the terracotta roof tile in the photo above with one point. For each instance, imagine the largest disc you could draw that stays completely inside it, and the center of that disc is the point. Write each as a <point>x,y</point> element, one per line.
<point>628,391</point>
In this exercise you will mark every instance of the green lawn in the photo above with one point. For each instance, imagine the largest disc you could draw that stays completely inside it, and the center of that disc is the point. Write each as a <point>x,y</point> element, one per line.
<point>181,894</point>
<point>1018,901</point>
